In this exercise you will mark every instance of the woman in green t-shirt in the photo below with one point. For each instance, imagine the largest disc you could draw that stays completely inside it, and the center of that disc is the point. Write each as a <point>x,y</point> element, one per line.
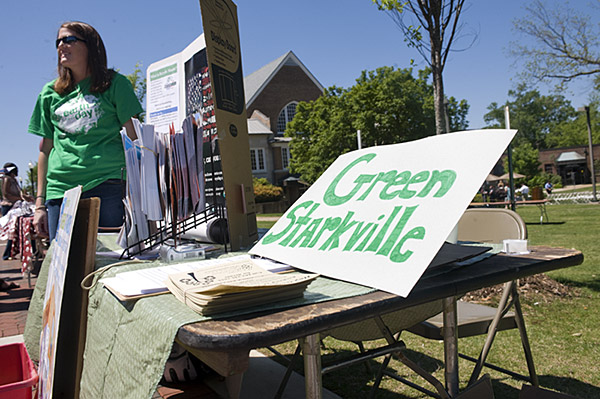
<point>79,116</point>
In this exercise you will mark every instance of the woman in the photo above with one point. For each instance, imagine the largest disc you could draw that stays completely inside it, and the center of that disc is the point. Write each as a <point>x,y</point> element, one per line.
<point>79,116</point>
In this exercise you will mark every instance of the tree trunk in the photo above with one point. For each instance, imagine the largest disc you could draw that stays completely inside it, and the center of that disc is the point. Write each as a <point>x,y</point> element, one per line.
<point>438,100</point>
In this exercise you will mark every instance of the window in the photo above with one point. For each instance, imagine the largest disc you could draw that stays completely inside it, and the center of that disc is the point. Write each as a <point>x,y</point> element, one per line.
<point>257,159</point>
<point>285,116</point>
<point>285,157</point>
<point>548,168</point>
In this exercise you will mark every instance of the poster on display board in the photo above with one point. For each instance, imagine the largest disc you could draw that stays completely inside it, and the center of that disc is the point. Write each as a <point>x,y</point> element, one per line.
<point>378,216</point>
<point>54,291</point>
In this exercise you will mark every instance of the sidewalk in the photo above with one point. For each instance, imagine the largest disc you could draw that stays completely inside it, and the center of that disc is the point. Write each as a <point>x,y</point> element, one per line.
<point>15,302</point>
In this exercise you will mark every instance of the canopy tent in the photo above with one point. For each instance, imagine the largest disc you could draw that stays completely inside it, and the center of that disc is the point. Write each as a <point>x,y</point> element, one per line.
<point>492,177</point>
<point>515,176</point>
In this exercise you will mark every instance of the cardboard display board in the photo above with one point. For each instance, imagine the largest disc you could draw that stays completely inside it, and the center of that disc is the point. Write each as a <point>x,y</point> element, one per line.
<point>378,216</point>
<point>73,317</point>
<point>220,23</point>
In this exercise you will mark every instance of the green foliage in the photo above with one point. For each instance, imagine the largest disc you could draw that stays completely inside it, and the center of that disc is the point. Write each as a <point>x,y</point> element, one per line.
<point>387,105</point>
<point>575,133</point>
<point>525,160</point>
<point>138,81</point>
<point>542,178</point>
<point>534,115</point>
<point>265,191</point>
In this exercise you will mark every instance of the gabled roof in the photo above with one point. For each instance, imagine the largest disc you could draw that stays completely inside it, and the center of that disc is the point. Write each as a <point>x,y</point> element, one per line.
<point>255,126</point>
<point>258,80</point>
<point>570,156</point>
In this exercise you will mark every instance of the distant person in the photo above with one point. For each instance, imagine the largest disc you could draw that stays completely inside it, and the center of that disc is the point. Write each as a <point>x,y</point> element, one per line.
<point>524,191</point>
<point>11,193</point>
<point>79,116</point>
<point>548,187</point>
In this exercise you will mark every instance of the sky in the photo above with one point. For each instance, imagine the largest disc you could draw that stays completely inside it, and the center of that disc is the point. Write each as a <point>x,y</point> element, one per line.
<point>334,39</point>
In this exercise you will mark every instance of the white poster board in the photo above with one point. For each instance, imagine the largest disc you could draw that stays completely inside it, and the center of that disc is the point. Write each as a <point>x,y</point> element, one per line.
<point>379,215</point>
<point>54,291</point>
<point>166,80</point>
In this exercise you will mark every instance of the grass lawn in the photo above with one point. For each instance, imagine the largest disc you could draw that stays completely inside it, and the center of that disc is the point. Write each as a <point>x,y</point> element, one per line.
<point>564,332</point>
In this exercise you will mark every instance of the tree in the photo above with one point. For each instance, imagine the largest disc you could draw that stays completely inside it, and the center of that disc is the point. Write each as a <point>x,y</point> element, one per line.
<point>525,160</point>
<point>387,105</point>
<point>138,81</point>
<point>574,133</point>
<point>439,18</point>
<point>535,116</point>
<point>565,44</point>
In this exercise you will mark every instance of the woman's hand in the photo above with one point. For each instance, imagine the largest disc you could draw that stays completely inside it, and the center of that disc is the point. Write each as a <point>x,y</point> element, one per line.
<point>40,221</point>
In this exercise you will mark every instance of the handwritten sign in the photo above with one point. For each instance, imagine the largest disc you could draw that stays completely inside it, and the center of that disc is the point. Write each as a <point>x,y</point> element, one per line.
<point>378,216</point>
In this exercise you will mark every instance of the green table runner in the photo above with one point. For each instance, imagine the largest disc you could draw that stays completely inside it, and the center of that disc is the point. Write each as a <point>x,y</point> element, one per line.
<point>128,343</point>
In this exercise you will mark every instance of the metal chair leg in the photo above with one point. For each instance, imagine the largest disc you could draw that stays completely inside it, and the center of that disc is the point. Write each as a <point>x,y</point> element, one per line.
<point>492,329</point>
<point>524,339</point>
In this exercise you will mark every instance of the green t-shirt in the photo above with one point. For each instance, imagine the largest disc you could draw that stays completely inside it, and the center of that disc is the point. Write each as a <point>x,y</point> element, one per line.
<point>85,128</point>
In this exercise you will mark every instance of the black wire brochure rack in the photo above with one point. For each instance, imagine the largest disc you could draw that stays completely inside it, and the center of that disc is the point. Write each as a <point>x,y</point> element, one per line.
<point>214,215</point>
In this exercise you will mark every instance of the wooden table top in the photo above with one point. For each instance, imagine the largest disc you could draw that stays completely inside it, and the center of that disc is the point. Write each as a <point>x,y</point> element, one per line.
<point>259,330</point>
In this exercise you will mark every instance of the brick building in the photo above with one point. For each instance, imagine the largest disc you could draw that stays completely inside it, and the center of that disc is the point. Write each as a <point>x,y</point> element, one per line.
<point>570,163</point>
<point>272,93</point>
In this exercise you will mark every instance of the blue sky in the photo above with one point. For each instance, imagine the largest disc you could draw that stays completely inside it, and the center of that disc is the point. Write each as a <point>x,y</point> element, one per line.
<point>335,39</point>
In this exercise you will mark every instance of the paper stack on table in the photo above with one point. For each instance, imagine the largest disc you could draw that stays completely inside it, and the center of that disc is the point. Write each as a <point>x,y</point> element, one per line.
<point>235,286</point>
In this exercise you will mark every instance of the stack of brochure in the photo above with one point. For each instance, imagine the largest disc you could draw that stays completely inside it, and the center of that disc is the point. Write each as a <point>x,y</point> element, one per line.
<point>235,285</point>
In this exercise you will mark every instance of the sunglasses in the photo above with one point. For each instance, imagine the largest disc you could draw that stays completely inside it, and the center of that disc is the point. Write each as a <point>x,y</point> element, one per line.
<point>68,40</point>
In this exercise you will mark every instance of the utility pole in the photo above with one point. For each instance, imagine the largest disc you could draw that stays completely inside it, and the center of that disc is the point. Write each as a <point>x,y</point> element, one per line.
<point>591,150</point>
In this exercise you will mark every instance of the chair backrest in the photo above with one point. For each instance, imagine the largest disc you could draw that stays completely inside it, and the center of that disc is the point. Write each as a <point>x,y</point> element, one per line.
<point>491,225</point>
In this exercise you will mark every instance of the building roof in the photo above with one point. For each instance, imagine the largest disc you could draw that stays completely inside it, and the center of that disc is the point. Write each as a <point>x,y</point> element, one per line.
<point>570,156</point>
<point>255,126</point>
<point>256,81</point>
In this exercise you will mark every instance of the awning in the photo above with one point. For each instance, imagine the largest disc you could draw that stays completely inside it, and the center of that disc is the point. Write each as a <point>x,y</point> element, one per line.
<point>570,156</point>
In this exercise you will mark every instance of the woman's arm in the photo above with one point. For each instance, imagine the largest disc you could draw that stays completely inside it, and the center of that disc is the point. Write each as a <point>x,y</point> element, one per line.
<point>40,218</point>
<point>130,129</point>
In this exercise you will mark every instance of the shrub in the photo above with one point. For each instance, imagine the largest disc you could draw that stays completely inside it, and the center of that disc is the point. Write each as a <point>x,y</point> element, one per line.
<point>542,178</point>
<point>265,191</point>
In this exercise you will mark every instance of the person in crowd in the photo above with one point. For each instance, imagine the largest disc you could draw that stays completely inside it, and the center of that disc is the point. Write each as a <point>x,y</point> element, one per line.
<point>79,116</point>
<point>525,191</point>
<point>548,187</point>
<point>11,193</point>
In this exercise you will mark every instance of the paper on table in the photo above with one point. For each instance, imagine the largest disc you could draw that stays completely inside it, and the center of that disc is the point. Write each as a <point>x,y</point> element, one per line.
<point>234,286</point>
<point>232,277</point>
<point>134,284</point>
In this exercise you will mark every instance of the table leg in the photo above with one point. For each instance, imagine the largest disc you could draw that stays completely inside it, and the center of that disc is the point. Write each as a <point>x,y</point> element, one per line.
<point>451,346</point>
<point>311,352</point>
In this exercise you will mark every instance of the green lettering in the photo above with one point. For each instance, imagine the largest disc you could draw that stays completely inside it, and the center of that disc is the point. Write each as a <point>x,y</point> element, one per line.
<point>401,178</point>
<point>377,240</point>
<point>334,239</point>
<point>418,178</point>
<point>272,237</point>
<point>389,243</point>
<point>363,244</point>
<point>330,197</point>
<point>330,224</point>
<point>301,221</point>
<point>307,234</point>
<point>418,233</point>
<point>358,232</point>
<point>446,179</point>
<point>387,177</point>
